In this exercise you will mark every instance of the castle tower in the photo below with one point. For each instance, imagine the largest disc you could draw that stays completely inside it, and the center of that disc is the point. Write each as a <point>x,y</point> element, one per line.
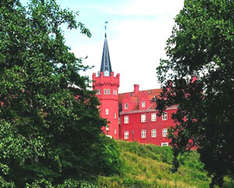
<point>106,86</point>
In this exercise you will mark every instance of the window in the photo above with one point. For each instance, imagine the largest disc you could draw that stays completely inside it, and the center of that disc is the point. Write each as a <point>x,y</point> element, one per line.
<point>125,119</point>
<point>126,106</point>
<point>106,73</point>
<point>126,135</point>
<point>164,116</point>
<point>143,104</point>
<point>106,91</point>
<point>153,133</point>
<point>115,92</point>
<point>107,111</point>
<point>153,117</point>
<point>164,132</point>
<point>143,133</point>
<point>98,92</point>
<point>115,116</point>
<point>143,118</point>
<point>115,131</point>
<point>164,144</point>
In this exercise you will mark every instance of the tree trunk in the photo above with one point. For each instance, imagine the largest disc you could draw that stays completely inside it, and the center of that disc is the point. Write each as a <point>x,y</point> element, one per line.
<point>217,180</point>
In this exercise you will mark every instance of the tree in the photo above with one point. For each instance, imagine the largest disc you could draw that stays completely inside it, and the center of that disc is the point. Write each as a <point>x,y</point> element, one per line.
<point>198,75</point>
<point>50,125</point>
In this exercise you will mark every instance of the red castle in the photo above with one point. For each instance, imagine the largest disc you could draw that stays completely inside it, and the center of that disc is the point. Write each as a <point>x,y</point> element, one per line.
<point>131,116</point>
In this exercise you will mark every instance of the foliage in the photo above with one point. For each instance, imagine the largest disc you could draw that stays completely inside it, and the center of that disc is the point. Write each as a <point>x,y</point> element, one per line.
<point>149,166</point>
<point>50,124</point>
<point>198,75</point>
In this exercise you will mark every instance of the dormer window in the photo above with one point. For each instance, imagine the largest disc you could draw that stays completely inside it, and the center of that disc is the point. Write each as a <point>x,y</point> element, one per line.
<point>164,116</point>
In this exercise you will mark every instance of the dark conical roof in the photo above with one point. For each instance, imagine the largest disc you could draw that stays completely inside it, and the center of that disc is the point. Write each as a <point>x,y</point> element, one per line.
<point>106,63</point>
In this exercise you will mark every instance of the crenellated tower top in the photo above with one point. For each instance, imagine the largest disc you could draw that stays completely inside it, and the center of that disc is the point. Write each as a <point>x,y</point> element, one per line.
<point>105,76</point>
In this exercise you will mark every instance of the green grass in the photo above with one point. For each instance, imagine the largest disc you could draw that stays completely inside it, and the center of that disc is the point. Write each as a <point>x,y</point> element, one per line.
<point>149,166</point>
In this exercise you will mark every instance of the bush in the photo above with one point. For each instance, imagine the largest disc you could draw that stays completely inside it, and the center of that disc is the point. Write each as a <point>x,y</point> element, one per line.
<point>107,161</point>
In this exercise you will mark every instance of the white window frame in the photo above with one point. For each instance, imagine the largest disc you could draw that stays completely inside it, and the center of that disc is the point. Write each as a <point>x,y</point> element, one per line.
<point>106,91</point>
<point>107,111</point>
<point>126,120</point>
<point>143,104</point>
<point>126,135</point>
<point>126,106</point>
<point>153,116</point>
<point>164,116</point>
<point>164,132</point>
<point>153,133</point>
<point>143,118</point>
<point>143,133</point>
<point>164,144</point>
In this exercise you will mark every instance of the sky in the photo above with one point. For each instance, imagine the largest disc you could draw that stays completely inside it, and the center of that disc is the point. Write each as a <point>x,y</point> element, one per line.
<point>137,32</point>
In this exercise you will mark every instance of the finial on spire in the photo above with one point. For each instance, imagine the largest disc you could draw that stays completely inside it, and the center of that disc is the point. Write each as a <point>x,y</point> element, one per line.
<point>106,64</point>
<point>106,22</point>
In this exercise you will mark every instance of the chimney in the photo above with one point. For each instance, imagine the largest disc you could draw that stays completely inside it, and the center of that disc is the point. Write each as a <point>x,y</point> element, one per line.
<point>136,88</point>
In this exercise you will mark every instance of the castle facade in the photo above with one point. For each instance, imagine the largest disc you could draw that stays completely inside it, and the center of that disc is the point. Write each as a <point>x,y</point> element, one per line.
<point>131,116</point>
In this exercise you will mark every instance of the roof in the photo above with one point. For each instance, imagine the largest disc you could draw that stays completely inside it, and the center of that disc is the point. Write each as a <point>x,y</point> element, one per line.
<point>106,63</point>
<point>136,97</point>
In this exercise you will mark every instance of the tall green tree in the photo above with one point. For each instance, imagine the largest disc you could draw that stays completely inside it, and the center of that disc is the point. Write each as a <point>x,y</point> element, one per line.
<point>50,123</point>
<point>198,75</point>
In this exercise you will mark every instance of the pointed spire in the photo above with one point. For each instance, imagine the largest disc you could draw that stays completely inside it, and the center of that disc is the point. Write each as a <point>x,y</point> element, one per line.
<point>106,63</point>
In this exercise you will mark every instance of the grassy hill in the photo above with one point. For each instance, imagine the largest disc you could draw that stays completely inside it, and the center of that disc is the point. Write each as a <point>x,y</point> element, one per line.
<point>149,166</point>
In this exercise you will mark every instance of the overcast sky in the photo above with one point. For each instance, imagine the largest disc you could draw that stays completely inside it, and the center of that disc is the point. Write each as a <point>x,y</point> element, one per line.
<point>137,32</point>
